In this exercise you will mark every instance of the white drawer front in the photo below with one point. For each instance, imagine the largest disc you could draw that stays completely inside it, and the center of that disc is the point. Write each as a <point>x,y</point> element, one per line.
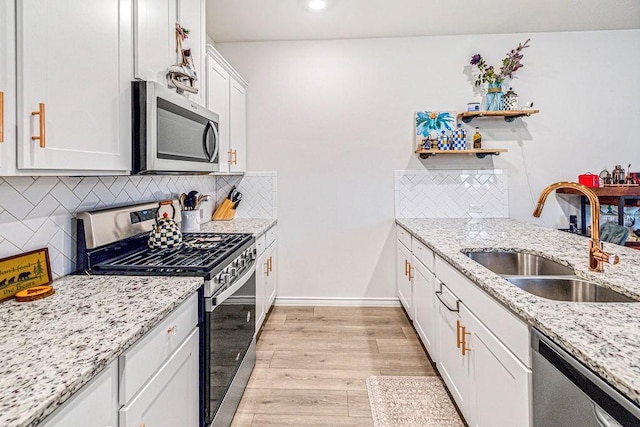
<point>505,325</point>
<point>139,363</point>
<point>271,234</point>
<point>423,253</point>
<point>261,244</point>
<point>404,236</point>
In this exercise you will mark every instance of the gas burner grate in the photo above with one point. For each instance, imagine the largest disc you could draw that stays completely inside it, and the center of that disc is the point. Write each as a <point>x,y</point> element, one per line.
<point>199,252</point>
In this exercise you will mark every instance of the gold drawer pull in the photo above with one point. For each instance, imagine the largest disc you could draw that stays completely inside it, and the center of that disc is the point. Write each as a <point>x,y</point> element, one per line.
<point>458,340</point>
<point>1,116</point>
<point>234,157</point>
<point>464,340</point>
<point>173,330</point>
<point>40,137</point>
<point>410,276</point>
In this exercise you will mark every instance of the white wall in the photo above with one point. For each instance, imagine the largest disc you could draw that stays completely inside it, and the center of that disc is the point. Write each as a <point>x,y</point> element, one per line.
<point>335,119</point>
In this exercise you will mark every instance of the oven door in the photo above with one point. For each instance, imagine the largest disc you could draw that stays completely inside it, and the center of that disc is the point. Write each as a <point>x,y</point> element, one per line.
<point>229,348</point>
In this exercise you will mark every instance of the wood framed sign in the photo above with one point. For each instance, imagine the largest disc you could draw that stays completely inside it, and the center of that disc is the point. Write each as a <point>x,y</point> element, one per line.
<point>24,271</point>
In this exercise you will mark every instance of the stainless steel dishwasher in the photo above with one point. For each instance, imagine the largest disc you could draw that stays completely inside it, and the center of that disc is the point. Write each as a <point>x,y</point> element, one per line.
<point>567,394</point>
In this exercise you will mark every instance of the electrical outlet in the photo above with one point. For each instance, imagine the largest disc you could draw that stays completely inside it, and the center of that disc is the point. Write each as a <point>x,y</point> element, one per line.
<point>473,208</point>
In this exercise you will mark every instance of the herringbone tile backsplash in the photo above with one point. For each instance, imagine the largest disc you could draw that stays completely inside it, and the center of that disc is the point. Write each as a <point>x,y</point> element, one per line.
<point>37,212</point>
<point>451,193</point>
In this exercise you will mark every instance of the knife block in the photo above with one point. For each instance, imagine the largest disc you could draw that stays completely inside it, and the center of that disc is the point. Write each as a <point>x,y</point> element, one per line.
<point>224,212</point>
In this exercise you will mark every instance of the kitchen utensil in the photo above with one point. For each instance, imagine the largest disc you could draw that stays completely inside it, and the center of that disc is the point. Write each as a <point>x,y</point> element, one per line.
<point>34,293</point>
<point>201,199</point>
<point>237,197</point>
<point>182,199</point>
<point>190,201</point>
<point>166,233</point>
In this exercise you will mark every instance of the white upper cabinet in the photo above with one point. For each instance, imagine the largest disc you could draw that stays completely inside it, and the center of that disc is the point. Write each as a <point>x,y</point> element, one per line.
<point>226,96</point>
<point>237,127</point>
<point>191,15</point>
<point>155,39</point>
<point>74,77</point>
<point>7,89</point>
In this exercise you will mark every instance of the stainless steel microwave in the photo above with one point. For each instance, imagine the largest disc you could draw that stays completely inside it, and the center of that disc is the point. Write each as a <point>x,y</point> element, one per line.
<point>170,133</point>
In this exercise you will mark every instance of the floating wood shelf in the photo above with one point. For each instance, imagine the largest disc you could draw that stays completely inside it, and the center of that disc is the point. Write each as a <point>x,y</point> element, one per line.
<point>479,152</point>
<point>509,115</point>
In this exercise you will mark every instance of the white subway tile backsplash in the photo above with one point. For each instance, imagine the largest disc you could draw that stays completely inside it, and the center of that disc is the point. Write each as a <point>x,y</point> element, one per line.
<point>38,212</point>
<point>451,193</point>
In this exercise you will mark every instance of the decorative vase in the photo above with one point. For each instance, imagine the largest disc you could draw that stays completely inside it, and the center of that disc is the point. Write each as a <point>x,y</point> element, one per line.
<point>494,96</point>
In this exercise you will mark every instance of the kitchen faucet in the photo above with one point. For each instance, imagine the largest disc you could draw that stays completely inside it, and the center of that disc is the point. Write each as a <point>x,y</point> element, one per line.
<point>597,257</point>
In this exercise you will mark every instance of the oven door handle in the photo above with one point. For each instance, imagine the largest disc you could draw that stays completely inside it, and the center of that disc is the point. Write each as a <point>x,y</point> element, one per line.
<point>212,302</point>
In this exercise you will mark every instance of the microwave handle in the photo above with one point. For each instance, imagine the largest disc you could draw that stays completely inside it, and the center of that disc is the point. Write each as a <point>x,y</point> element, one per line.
<point>210,155</point>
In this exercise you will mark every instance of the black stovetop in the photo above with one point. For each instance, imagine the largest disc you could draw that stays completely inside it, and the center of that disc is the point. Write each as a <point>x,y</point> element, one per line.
<point>200,254</point>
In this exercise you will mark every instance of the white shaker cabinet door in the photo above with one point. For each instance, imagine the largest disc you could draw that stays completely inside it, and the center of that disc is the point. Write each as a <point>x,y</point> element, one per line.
<point>95,405</point>
<point>497,377</point>
<point>7,89</point>
<point>170,398</point>
<point>425,307</point>
<point>191,15</point>
<point>271,288</point>
<point>218,101</point>
<point>154,38</point>
<point>403,278</point>
<point>237,127</point>
<point>74,66</point>
<point>453,366</point>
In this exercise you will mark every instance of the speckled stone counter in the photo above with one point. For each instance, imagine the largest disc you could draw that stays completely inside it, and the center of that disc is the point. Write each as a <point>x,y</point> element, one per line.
<point>256,226</point>
<point>51,347</point>
<point>604,336</point>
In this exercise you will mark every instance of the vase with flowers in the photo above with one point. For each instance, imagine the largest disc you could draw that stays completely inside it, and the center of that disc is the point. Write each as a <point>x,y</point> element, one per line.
<point>492,79</point>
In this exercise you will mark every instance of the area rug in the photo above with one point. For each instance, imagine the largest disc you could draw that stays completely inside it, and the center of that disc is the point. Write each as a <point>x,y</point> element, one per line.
<point>411,402</point>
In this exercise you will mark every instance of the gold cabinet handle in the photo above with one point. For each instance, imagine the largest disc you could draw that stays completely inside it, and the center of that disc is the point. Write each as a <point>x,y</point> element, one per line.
<point>235,156</point>
<point>464,334</point>
<point>1,116</point>
<point>458,340</point>
<point>410,276</point>
<point>266,268</point>
<point>406,267</point>
<point>270,264</point>
<point>40,137</point>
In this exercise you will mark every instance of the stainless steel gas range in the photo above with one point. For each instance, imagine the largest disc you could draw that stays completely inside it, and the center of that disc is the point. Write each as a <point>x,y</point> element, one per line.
<point>114,241</point>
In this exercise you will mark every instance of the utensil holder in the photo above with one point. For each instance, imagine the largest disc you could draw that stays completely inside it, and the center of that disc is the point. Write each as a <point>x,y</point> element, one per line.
<point>191,221</point>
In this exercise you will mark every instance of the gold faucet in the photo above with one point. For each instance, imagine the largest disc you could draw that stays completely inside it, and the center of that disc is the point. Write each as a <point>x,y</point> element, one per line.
<point>597,257</point>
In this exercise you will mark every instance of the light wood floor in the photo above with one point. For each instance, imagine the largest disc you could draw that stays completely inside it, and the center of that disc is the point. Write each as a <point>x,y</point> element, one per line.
<point>313,362</point>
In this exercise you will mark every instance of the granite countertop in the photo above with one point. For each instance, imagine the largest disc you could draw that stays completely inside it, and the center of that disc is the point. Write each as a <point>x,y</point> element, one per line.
<point>256,226</point>
<point>604,336</point>
<point>51,347</point>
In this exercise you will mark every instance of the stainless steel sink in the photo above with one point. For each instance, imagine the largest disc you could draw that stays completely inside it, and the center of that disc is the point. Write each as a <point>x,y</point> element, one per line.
<point>568,289</point>
<point>519,264</point>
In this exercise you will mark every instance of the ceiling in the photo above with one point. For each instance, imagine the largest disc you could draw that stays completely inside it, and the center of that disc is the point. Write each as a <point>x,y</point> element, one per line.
<point>267,20</point>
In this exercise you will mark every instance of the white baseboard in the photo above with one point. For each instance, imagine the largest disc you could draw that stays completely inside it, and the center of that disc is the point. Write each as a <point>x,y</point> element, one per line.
<point>343,302</point>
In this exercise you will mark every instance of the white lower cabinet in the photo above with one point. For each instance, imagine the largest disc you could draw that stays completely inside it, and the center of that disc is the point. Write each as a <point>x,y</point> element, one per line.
<point>159,375</point>
<point>500,381</point>
<point>170,397</point>
<point>424,299</point>
<point>403,277</point>
<point>453,366</point>
<point>95,405</point>
<point>261,276</point>
<point>266,274</point>
<point>479,347</point>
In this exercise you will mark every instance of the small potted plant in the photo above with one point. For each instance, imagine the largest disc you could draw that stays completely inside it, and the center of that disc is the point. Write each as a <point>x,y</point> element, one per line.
<point>487,75</point>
